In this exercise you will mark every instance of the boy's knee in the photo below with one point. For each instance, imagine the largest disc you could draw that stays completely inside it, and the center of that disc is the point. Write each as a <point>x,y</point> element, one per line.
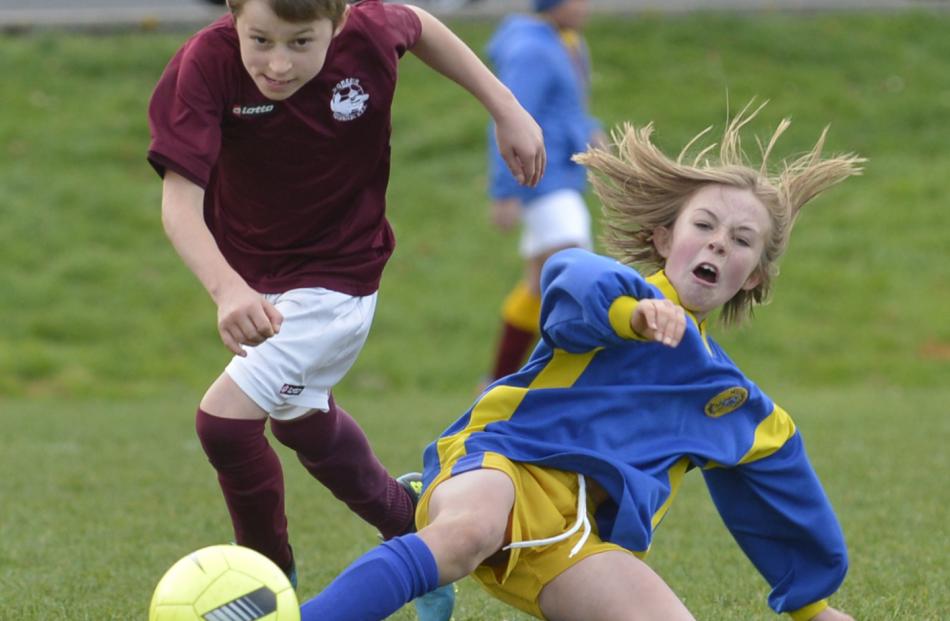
<point>225,439</point>
<point>313,435</point>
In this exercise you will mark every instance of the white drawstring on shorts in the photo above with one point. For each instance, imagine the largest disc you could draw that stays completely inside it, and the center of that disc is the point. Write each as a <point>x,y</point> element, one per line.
<point>582,520</point>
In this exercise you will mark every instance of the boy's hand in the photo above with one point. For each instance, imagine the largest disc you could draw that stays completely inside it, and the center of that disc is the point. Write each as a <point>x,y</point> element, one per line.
<point>659,320</point>
<point>521,145</point>
<point>830,614</point>
<point>246,318</point>
<point>505,213</point>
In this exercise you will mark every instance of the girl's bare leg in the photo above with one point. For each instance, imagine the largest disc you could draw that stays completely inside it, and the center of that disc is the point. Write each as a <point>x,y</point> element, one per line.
<point>612,586</point>
<point>468,516</point>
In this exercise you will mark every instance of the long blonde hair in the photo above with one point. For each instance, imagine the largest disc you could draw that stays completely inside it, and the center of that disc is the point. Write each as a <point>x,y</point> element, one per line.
<point>642,189</point>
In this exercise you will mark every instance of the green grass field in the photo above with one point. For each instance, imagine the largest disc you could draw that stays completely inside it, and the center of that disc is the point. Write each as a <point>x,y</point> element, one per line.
<point>108,342</point>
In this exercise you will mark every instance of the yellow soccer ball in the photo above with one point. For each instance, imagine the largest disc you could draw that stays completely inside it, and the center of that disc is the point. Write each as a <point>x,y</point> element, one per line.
<point>224,583</point>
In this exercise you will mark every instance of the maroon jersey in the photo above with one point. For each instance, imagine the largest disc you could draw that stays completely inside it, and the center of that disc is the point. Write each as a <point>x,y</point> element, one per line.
<point>294,189</point>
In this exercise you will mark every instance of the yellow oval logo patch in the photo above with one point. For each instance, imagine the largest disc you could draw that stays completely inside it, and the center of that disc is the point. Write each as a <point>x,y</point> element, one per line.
<point>728,400</point>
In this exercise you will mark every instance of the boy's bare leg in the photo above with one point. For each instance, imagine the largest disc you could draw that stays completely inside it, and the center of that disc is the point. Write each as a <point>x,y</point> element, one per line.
<point>468,516</point>
<point>225,399</point>
<point>332,447</point>
<point>230,427</point>
<point>612,586</point>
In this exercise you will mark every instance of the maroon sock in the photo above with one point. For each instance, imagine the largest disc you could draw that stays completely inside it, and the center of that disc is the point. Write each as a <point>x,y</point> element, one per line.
<point>513,347</point>
<point>252,482</point>
<point>334,449</point>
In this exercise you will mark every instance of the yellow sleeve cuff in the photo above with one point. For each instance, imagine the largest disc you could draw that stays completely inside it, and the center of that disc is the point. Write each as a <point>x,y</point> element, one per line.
<point>619,315</point>
<point>809,612</point>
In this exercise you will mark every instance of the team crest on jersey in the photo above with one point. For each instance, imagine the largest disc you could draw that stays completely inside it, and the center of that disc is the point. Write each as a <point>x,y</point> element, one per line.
<point>728,400</point>
<point>251,111</point>
<point>348,100</point>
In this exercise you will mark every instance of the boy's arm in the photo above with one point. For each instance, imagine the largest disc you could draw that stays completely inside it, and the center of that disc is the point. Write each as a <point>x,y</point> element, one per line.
<point>778,513</point>
<point>527,73</point>
<point>519,138</point>
<point>244,316</point>
<point>506,213</point>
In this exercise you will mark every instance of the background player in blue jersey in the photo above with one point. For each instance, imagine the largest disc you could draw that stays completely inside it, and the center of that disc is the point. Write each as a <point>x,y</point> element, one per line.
<point>549,489</point>
<point>543,58</point>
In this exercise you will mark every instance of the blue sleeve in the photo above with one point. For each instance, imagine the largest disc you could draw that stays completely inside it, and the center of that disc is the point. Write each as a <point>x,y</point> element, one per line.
<point>526,71</point>
<point>578,289</point>
<point>778,513</point>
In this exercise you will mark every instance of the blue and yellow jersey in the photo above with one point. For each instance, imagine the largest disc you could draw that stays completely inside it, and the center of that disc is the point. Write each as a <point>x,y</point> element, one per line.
<point>634,416</point>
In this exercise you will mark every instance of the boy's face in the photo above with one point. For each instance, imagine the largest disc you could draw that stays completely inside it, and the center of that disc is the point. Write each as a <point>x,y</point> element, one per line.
<point>280,56</point>
<point>714,247</point>
<point>570,14</point>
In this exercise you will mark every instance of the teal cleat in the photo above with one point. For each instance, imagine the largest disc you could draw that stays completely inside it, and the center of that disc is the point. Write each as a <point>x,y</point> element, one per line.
<point>435,605</point>
<point>292,575</point>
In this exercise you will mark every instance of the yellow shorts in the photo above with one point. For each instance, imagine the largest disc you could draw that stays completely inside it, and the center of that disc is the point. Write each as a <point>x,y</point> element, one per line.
<point>545,505</point>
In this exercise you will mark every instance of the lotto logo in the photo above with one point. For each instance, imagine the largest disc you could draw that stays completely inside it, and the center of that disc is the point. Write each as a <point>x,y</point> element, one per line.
<point>252,110</point>
<point>291,389</point>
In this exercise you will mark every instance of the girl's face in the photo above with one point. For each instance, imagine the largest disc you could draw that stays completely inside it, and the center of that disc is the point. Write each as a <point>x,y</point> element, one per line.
<point>714,247</point>
<point>280,56</point>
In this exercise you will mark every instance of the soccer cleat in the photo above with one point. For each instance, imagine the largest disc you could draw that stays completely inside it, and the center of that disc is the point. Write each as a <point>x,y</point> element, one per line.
<point>435,605</point>
<point>412,483</point>
<point>292,574</point>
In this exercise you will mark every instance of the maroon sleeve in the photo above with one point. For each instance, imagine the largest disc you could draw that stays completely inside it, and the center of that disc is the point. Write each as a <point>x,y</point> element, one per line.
<point>185,117</point>
<point>404,26</point>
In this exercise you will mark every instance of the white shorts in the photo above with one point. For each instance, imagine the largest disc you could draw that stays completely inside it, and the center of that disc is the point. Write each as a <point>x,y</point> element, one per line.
<point>553,221</point>
<point>292,372</point>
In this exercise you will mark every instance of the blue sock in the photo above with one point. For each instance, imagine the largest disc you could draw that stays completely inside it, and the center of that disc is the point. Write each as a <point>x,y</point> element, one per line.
<point>377,584</point>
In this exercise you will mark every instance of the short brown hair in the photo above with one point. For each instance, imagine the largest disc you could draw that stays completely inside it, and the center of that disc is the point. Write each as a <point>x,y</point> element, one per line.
<point>299,10</point>
<point>642,189</point>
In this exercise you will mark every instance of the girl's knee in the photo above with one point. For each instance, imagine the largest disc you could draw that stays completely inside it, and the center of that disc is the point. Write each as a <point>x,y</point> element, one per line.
<point>464,538</point>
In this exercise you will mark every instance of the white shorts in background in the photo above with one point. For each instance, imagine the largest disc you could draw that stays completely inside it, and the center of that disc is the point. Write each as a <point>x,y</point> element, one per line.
<point>292,372</point>
<point>552,221</point>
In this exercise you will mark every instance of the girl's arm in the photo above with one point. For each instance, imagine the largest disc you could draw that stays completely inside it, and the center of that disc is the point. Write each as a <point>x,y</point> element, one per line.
<point>244,316</point>
<point>779,514</point>
<point>832,614</point>
<point>519,137</point>
<point>589,301</point>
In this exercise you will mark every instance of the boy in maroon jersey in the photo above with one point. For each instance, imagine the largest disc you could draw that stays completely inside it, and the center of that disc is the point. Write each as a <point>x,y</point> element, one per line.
<point>271,130</point>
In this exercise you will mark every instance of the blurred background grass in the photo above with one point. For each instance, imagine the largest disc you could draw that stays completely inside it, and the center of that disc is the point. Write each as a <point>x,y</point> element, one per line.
<point>108,342</point>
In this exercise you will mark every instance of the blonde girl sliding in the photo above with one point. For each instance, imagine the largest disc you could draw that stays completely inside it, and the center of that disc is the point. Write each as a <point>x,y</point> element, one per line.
<point>550,488</point>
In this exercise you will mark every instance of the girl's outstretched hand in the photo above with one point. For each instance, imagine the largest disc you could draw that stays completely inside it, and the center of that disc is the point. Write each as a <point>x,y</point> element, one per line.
<point>831,614</point>
<point>659,320</point>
